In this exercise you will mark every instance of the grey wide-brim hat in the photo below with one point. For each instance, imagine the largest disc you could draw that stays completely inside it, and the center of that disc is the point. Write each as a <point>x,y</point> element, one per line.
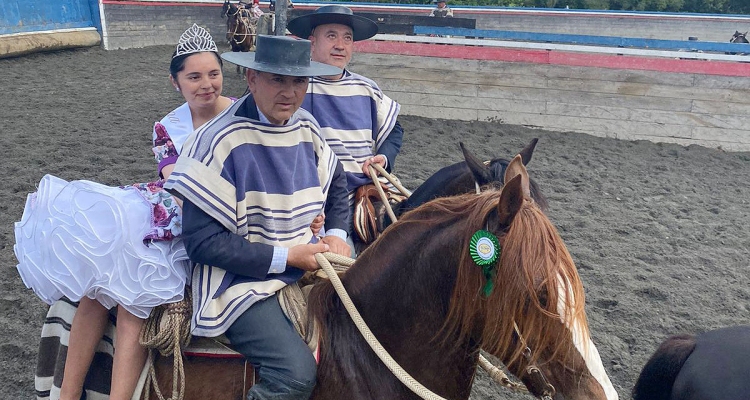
<point>281,55</point>
<point>362,28</point>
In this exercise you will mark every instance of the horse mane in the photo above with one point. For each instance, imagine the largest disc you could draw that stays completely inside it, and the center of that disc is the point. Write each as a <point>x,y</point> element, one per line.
<point>536,284</point>
<point>535,278</point>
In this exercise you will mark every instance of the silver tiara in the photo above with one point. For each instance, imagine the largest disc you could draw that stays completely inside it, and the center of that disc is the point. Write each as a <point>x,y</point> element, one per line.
<point>195,40</point>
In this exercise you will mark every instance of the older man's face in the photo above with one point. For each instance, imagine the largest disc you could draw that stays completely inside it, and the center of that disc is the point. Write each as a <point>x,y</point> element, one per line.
<point>277,96</point>
<point>332,44</point>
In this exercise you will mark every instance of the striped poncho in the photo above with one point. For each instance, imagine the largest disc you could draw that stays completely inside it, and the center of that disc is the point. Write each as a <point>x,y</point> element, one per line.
<point>355,118</point>
<point>263,182</point>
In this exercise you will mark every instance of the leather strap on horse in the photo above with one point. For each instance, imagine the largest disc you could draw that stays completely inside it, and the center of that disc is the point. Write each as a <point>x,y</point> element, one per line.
<point>368,219</point>
<point>404,191</point>
<point>538,381</point>
<point>499,376</point>
<point>168,330</point>
<point>390,179</point>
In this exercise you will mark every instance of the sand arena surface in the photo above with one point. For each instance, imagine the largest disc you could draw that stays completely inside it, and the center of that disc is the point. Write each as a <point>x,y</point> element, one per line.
<point>659,232</point>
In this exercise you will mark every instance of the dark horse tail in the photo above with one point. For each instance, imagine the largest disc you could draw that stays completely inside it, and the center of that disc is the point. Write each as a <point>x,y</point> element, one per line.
<point>660,372</point>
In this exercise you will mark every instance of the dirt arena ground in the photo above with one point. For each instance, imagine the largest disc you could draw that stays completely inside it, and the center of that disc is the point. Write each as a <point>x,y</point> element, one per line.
<point>659,232</point>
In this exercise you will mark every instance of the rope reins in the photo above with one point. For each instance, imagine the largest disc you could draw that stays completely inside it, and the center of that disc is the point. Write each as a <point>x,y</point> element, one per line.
<point>168,330</point>
<point>367,334</point>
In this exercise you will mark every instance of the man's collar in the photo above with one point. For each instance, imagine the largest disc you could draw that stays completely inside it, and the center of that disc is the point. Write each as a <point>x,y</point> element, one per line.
<point>248,108</point>
<point>344,74</point>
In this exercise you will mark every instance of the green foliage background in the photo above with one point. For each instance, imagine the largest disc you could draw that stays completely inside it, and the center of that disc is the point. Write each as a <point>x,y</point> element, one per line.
<point>693,6</point>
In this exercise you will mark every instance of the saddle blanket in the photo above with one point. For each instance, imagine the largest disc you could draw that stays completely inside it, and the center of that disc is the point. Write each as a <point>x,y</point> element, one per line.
<point>53,348</point>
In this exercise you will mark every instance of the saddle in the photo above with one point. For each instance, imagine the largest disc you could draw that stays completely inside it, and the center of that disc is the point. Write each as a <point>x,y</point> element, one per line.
<point>370,211</point>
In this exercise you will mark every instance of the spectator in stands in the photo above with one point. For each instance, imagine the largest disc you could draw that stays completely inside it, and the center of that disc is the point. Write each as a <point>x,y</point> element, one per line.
<point>441,10</point>
<point>272,5</point>
<point>255,10</point>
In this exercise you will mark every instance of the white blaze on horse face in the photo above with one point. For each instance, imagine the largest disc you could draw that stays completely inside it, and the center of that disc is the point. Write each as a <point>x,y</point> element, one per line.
<point>584,345</point>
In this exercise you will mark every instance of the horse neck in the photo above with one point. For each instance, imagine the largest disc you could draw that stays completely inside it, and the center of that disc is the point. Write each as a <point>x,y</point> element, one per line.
<point>402,286</point>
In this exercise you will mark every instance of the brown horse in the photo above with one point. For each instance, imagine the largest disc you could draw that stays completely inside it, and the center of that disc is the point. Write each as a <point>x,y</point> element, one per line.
<point>241,27</point>
<point>424,299</point>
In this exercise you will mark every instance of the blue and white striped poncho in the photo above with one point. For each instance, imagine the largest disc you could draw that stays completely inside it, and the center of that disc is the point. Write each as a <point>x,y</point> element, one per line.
<point>261,181</point>
<point>355,117</point>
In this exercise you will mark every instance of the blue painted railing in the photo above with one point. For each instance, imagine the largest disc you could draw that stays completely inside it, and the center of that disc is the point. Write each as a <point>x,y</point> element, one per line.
<point>17,16</point>
<point>609,41</point>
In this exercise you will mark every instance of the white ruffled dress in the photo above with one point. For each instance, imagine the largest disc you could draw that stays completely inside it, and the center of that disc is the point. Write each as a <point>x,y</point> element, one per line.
<point>82,238</point>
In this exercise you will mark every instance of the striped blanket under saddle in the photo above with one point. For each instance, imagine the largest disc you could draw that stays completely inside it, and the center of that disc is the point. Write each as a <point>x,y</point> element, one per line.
<point>53,348</point>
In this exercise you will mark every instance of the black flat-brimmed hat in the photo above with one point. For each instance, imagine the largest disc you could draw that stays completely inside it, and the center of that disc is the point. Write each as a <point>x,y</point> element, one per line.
<point>362,28</point>
<point>281,55</point>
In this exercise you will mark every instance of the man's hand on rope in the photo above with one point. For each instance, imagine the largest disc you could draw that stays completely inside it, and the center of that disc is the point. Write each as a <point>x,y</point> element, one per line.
<point>337,245</point>
<point>378,159</point>
<point>302,256</point>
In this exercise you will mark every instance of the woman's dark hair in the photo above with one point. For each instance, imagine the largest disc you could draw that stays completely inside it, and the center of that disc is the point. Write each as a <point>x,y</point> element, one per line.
<point>178,63</point>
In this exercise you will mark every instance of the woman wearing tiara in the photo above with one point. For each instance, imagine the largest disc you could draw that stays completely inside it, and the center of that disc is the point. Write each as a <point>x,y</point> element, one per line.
<point>106,246</point>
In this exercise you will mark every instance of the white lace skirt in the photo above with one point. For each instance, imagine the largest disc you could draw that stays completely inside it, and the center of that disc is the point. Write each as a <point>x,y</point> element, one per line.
<point>82,238</point>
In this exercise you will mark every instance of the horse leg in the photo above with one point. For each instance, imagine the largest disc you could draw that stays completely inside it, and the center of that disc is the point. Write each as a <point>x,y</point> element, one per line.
<point>206,378</point>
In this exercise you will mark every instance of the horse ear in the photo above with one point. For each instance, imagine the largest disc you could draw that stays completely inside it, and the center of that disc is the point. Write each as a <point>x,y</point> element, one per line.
<point>480,171</point>
<point>528,151</point>
<point>511,199</point>
<point>516,168</point>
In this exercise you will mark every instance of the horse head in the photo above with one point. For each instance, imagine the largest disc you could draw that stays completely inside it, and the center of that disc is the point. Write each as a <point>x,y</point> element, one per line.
<point>535,322</point>
<point>225,8</point>
<point>462,177</point>
<point>533,315</point>
<point>493,172</point>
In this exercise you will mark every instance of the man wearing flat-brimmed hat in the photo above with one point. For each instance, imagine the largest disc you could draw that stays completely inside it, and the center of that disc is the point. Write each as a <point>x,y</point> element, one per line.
<point>357,119</point>
<point>252,180</point>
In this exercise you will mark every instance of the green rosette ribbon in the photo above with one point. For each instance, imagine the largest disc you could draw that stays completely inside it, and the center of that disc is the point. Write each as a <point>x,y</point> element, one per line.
<point>485,250</point>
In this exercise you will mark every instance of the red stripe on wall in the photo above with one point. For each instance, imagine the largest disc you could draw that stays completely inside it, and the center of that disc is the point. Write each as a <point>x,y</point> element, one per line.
<point>725,68</point>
